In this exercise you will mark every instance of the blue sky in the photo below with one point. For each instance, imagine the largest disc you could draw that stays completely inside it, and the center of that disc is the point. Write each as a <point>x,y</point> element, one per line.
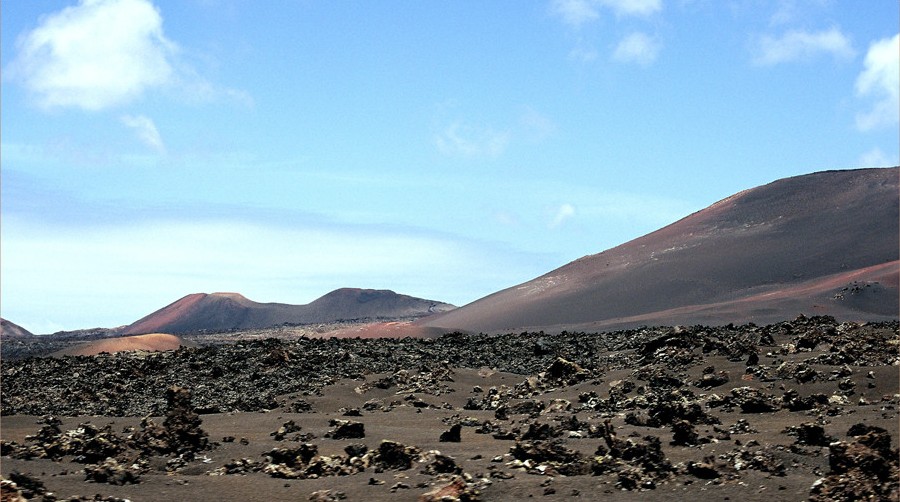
<point>442,150</point>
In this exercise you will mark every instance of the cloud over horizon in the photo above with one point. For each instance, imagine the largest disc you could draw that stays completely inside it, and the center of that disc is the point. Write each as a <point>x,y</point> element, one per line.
<point>147,263</point>
<point>876,158</point>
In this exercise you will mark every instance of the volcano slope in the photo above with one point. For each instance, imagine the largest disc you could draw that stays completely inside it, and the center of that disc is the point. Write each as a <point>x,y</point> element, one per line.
<point>823,243</point>
<point>219,312</point>
<point>805,409</point>
<point>10,329</point>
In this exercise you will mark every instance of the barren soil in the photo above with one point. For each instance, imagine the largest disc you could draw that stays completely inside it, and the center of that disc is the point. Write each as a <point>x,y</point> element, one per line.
<point>790,411</point>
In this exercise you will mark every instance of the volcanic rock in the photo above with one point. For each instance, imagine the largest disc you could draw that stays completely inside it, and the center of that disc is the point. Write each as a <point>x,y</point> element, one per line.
<point>863,469</point>
<point>393,455</point>
<point>457,490</point>
<point>452,435</point>
<point>110,471</point>
<point>753,400</point>
<point>346,429</point>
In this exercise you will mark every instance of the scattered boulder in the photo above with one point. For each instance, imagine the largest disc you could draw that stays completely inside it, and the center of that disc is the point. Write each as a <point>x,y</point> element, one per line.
<point>712,380</point>
<point>865,468</point>
<point>327,496</point>
<point>394,455</point>
<point>703,470</point>
<point>753,400</point>
<point>180,431</point>
<point>456,490</point>
<point>21,487</point>
<point>452,435</point>
<point>551,455</point>
<point>564,372</point>
<point>346,429</point>
<point>683,434</point>
<point>809,434</point>
<point>437,463</point>
<point>636,464</point>
<point>285,429</point>
<point>110,471</point>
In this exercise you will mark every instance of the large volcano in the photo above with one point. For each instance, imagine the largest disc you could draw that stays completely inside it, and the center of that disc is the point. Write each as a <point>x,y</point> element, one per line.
<point>227,311</point>
<point>823,243</point>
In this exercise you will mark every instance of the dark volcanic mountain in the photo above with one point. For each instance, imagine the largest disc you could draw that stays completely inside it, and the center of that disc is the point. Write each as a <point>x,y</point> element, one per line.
<point>12,330</point>
<point>823,243</point>
<point>227,311</point>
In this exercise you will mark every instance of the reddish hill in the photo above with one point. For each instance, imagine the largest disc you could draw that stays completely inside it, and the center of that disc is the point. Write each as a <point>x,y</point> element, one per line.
<point>823,243</point>
<point>227,311</point>
<point>151,342</point>
<point>12,330</point>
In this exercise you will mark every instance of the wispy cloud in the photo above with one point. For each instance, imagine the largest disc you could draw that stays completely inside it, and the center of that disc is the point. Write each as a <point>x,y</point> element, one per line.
<point>583,52</point>
<point>876,158</point>
<point>880,80</point>
<point>100,54</point>
<point>633,7</point>
<point>563,213</point>
<point>578,12</point>
<point>146,131</point>
<point>575,12</point>
<point>460,139</point>
<point>798,45</point>
<point>637,48</point>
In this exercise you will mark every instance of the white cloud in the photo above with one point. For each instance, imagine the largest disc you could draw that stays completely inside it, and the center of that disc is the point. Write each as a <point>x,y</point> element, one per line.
<point>95,55</point>
<point>468,141</point>
<point>637,48</point>
<point>100,54</point>
<point>563,213</point>
<point>802,45</point>
<point>876,158</point>
<point>880,80</point>
<point>575,12</point>
<point>579,12</point>
<point>146,131</point>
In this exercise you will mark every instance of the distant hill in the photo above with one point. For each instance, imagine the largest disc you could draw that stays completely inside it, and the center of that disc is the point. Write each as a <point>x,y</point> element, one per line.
<point>823,243</point>
<point>229,311</point>
<point>151,342</point>
<point>11,330</point>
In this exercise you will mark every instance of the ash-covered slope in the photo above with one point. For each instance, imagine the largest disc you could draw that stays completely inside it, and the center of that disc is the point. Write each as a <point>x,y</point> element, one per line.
<point>10,329</point>
<point>227,311</point>
<point>823,243</point>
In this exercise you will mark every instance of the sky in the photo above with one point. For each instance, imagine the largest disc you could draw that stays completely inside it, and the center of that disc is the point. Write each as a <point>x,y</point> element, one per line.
<point>446,150</point>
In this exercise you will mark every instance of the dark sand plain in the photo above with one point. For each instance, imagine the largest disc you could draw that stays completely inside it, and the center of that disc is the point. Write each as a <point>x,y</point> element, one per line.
<point>669,414</point>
